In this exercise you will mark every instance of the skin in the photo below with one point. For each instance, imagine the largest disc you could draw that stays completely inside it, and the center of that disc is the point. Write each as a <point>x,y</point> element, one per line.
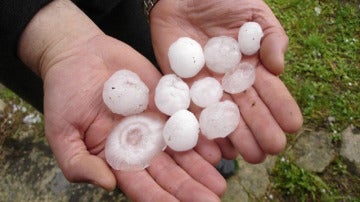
<point>268,109</point>
<point>74,58</point>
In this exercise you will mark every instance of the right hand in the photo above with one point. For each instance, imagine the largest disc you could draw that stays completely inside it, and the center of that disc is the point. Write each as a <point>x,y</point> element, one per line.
<point>267,108</point>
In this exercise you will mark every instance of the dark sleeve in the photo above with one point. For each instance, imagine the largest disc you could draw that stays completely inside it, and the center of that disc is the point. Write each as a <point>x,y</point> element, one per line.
<point>14,16</point>
<point>97,9</point>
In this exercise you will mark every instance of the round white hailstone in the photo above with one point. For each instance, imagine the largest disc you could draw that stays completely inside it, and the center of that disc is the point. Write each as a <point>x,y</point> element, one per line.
<point>125,93</point>
<point>172,94</point>
<point>249,38</point>
<point>186,57</point>
<point>239,79</point>
<point>134,142</point>
<point>219,120</point>
<point>222,53</point>
<point>206,91</point>
<point>181,131</point>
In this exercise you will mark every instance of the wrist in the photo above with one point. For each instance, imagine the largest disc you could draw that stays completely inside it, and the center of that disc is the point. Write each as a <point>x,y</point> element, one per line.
<point>53,33</point>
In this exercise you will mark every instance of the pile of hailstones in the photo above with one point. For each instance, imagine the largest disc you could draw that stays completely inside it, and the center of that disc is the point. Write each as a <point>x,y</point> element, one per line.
<point>141,135</point>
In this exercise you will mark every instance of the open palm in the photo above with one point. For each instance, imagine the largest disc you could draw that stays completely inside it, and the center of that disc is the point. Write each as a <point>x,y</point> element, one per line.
<point>268,109</point>
<point>78,122</point>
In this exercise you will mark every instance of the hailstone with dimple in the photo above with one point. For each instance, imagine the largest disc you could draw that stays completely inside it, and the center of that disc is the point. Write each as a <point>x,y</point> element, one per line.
<point>186,57</point>
<point>206,91</point>
<point>172,94</point>
<point>219,120</point>
<point>222,53</point>
<point>250,34</point>
<point>239,79</point>
<point>134,142</point>
<point>181,131</point>
<point>125,93</point>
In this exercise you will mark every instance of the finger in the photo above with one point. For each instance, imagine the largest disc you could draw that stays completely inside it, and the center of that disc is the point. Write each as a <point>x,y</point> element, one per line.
<point>228,150</point>
<point>278,99</point>
<point>76,162</point>
<point>89,168</point>
<point>245,143</point>
<point>140,186</point>
<point>177,182</point>
<point>243,140</point>
<point>208,149</point>
<point>257,116</point>
<point>98,131</point>
<point>200,170</point>
<point>275,41</point>
<point>272,51</point>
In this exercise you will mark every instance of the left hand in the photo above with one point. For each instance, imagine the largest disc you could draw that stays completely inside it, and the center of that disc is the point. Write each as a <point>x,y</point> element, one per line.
<point>74,58</point>
<point>268,110</point>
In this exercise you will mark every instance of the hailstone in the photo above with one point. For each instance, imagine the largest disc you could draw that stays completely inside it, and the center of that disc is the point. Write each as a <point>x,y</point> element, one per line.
<point>134,142</point>
<point>250,34</point>
<point>219,120</point>
<point>239,79</point>
<point>222,53</point>
<point>172,94</point>
<point>186,57</point>
<point>125,93</point>
<point>206,91</point>
<point>181,131</point>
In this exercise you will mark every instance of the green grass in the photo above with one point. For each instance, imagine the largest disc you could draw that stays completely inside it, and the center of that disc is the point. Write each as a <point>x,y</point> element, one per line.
<point>323,74</point>
<point>6,94</point>
<point>294,183</point>
<point>11,119</point>
<point>323,65</point>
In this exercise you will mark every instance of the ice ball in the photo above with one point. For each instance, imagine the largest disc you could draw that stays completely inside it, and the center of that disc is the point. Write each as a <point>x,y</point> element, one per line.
<point>206,91</point>
<point>172,94</point>
<point>250,34</point>
<point>135,141</point>
<point>239,79</point>
<point>219,120</point>
<point>222,53</point>
<point>181,131</point>
<point>186,57</point>
<point>125,93</point>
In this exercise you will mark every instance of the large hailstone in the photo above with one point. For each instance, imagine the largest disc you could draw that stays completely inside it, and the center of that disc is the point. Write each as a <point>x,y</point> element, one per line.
<point>125,93</point>
<point>134,142</point>
<point>172,94</point>
<point>249,38</point>
<point>206,91</point>
<point>219,120</point>
<point>239,79</point>
<point>181,131</point>
<point>186,57</point>
<point>222,53</point>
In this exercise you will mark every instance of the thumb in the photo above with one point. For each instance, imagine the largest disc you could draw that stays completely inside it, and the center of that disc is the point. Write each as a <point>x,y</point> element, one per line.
<point>75,161</point>
<point>89,168</point>
<point>272,51</point>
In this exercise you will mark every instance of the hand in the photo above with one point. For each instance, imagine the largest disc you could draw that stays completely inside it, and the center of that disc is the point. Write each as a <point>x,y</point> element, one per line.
<point>74,67</point>
<point>268,110</point>
<point>77,124</point>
